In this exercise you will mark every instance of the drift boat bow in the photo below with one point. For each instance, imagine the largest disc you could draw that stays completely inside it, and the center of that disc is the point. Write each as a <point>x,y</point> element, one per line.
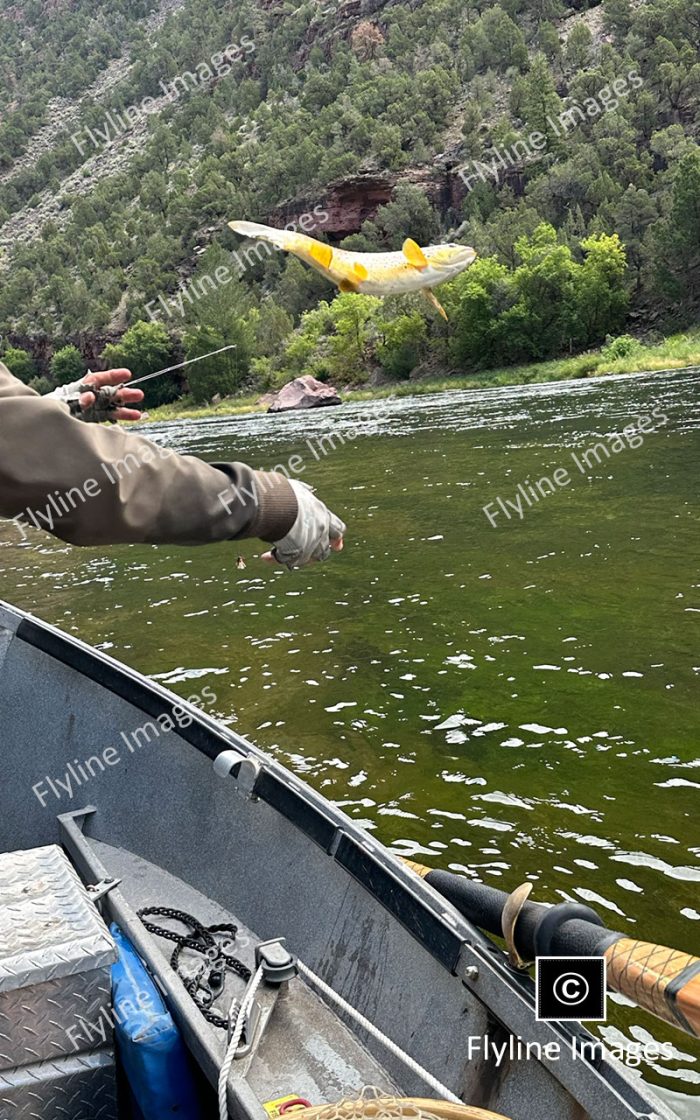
<point>167,808</point>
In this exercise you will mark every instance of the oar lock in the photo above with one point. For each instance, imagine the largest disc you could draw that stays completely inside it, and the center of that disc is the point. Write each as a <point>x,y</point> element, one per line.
<point>509,919</point>
<point>551,920</point>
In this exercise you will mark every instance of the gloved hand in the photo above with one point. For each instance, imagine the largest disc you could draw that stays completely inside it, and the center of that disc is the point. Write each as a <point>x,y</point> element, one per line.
<point>106,403</point>
<point>314,535</point>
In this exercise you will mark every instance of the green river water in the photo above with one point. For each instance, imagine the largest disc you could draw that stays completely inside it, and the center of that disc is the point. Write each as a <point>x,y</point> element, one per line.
<point>512,702</point>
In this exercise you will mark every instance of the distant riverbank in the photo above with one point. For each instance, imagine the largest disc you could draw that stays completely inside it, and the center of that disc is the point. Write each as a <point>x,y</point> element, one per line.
<point>678,351</point>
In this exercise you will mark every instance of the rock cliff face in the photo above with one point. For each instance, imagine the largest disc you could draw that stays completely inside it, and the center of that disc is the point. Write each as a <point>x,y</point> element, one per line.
<point>350,202</point>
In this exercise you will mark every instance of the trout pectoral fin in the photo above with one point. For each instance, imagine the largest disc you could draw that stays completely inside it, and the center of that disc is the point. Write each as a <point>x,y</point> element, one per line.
<point>322,254</point>
<point>432,298</point>
<point>360,271</point>
<point>414,254</point>
<point>347,286</point>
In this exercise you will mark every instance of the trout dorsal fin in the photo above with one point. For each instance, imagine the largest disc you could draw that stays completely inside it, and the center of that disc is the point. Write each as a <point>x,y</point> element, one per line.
<point>414,254</point>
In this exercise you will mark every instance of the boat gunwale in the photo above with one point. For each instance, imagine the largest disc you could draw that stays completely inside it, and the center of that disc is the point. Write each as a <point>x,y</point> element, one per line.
<point>437,926</point>
<point>457,945</point>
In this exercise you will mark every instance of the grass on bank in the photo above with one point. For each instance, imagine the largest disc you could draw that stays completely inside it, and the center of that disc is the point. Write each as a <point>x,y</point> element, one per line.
<point>678,351</point>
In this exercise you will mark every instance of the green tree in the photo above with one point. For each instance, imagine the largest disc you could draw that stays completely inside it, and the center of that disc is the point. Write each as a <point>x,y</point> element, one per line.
<point>335,340</point>
<point>41,385</point>
<point>540,102</point>
<point>548,41</point>
<point>307,345</point>
<point>145,348</point>
<point>20,363</point>
<point>154,192</point>
<point>67,365</point>
<point>579,47</point>
<point>497,42</point>
<point>676,238</point>
<point>272,325</point>
<point>219,298</point>
<point>386,144</point>
<point>618,17</point>
<point>222,374</point>
<point>676,75</point>
<point>633,215</point>
<point>409,214</point>
<point>546,10</point>
<point>474,301</point>
<point>403,345</point>
<point>685,214</point>
<point>540,322</point>
<point>299,288</point>
<point>353,317</point>
<point>502,230</point>
<point>601,298</point>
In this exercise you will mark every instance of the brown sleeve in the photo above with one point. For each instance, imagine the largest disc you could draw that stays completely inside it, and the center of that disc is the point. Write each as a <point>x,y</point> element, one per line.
<point>106,485</point>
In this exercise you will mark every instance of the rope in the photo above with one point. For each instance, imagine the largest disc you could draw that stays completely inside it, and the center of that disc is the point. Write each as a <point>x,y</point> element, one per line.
<point>241,1017</point>
<point>437,1086</point>
<point>201,939</point>
<point>378,1107</point>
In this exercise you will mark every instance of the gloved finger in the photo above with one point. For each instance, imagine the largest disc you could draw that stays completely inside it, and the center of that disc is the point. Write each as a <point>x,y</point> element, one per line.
<point>338,528</point>
<point>288,561</point>
<point>321,552</point>
<point>331,539</point>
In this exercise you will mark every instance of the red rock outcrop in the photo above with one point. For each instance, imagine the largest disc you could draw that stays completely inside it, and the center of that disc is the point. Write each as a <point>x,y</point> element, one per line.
<point>347,203</point>
<point>350,202</point>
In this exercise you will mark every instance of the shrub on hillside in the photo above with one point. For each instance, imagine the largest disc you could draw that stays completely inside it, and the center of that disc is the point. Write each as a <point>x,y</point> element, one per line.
<point>67,365</point>
<point>20,363</point>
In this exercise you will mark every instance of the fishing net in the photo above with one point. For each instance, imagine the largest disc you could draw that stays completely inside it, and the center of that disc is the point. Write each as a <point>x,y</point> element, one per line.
<point>374,1104</point>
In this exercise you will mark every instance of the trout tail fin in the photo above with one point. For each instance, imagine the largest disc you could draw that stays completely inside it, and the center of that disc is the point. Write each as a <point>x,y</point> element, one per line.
<point>314,252</point>
<point>282,238</point>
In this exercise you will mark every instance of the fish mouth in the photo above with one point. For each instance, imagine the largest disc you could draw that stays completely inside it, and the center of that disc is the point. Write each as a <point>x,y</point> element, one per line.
<point>460,257</point>
<point>464,256</point>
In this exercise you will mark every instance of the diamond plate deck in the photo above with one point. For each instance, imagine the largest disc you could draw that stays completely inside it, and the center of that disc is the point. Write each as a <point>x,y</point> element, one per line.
<point>82,1087</point>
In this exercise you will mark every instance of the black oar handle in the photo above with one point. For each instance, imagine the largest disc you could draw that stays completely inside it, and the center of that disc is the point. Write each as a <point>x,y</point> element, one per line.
<point>565,930</point>
<point>664,981</point>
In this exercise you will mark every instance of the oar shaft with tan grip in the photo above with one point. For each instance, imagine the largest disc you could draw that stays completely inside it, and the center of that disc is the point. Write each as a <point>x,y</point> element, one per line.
<point>663,981</point>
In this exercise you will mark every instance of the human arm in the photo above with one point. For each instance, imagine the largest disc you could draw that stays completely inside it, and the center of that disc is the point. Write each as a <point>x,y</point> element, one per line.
<point>103,485</point>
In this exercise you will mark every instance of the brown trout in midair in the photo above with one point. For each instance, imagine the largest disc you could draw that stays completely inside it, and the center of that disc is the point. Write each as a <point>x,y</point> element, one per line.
<point>414,269</point>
